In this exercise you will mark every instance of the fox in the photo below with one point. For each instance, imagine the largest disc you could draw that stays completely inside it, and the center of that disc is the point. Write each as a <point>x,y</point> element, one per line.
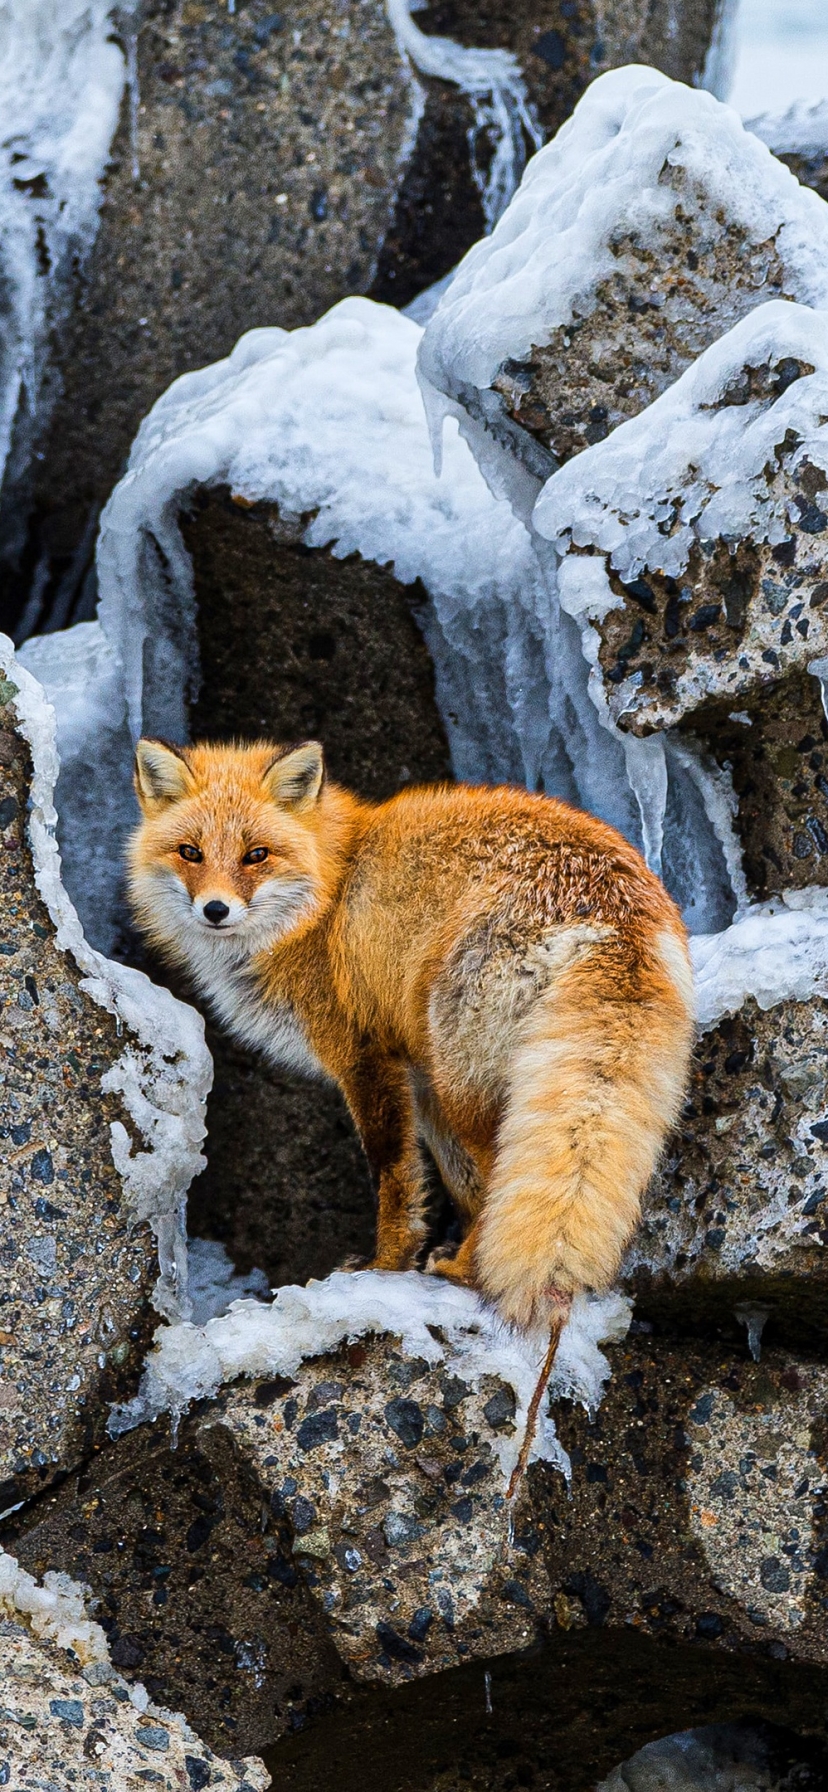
<point>484,971</point>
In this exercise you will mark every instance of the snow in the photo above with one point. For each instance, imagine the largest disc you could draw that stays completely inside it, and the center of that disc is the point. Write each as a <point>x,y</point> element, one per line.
<point>165,1071</point>
<point>599,177</point>
<point>61,81</point>
<point>775,951</point>
<point>190,1362</point>
<point>55,1610</point>
<point>691,467</point>
<point>781,54</point>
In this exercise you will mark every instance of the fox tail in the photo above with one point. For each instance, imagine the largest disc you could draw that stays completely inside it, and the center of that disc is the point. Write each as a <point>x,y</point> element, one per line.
<point>597,1081</point>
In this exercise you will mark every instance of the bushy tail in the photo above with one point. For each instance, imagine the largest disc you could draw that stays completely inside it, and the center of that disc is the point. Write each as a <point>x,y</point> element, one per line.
<point>596,1084</point>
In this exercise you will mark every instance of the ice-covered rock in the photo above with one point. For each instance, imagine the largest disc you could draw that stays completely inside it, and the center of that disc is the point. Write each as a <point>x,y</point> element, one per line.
<point>650,225</point>
<point>104,1083</point>
<point>383,1418</point>
<point>69,1715</point>
<point>695,564</point>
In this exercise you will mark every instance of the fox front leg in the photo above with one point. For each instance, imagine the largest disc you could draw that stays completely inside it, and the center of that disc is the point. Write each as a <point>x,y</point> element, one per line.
<point>379,1096</point>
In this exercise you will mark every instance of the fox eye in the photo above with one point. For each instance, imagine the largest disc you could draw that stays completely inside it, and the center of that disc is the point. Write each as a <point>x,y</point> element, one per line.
<point>193,854</point>
<point>256,856</point>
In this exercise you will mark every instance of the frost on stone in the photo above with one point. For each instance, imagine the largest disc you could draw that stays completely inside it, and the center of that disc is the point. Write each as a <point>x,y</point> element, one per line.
<point>61,81</point>
<point>802,130</point>
<point>51,1645</point>
<point>164,1072</point>
<point>695,535</point>
<point>430,1318</point>
<point>649,226</point>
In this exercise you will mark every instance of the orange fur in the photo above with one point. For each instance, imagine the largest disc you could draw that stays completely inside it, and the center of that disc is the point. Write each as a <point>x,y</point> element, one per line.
<point>490,971</point>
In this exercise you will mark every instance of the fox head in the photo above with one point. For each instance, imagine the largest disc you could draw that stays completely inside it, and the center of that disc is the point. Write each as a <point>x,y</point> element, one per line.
<point>228,855</point>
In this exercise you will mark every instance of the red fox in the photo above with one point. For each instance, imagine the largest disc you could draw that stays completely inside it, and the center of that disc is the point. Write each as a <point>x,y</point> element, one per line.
<point>487,971</point>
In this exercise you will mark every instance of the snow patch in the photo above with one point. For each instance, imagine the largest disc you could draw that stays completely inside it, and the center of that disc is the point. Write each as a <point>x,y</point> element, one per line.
<point>55,1610</point>
<point>776,951</point>
<point>800,131</point>
<point>165,1072</point>
<point>190,1362</point>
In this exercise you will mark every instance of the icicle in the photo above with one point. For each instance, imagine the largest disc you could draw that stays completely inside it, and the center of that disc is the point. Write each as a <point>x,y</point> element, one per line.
<point>134,93</point>
<point>500,104</point>
<point>646,765</point>
<point>754,1319</point>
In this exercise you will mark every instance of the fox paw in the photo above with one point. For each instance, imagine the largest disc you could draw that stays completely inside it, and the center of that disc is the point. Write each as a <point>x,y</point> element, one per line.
<point>437,1259</point>
<point>355,1261</point>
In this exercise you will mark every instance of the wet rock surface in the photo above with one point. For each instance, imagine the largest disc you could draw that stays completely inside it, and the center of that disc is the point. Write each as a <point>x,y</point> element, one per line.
<point>79,1726</point>
<point>720,1756</point>
<point>190,1582</point>
<point>345,663</point>
<point>78,1273</point>
<point>735,1214</point>
<point>697,1502</point>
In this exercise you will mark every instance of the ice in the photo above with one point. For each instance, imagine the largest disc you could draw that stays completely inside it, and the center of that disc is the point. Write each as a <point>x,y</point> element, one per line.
<point>55,1610</point>
<point>430,1318</point>
<point>83,681</point>
<point>213,1283</point>
<point>801,130</point>
<point>165,1072</point>
<point>61,80</point>
<point>602,175</point>
<point>501,110</point>
<point>692,467</point>
<point>775,951</point>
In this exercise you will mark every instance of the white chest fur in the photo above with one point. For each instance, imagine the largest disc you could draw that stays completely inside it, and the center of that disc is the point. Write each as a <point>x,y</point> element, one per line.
<point>269,1027</point>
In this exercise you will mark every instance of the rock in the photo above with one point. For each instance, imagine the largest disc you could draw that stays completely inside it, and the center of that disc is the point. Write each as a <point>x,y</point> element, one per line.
<point>696,1504</point>
<point>268,150</point>
<point>198,1598</point>
<point>102,1108</point>
<point>577,313</point>
<point>718,1756</point>
<point>735,1216</point>
<point>68,1712</point>
<point>708,611</point>
<point>402,1536</point>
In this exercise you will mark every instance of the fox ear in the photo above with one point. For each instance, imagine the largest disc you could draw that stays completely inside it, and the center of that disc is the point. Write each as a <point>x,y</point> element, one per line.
<point>295,779</point>
<point>162,776</point>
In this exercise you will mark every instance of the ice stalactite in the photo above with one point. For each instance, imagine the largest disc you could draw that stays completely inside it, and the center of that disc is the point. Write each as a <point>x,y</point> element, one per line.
<point>61,81</point>
<point>503,117</point>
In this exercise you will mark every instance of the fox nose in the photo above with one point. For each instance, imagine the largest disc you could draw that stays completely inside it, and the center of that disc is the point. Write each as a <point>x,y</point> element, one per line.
<point>215,912</point>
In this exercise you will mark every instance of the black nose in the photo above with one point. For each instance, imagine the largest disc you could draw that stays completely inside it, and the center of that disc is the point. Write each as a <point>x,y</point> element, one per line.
<point>215,912</point>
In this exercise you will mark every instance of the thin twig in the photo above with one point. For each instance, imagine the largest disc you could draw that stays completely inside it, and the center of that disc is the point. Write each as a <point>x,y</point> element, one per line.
<point>519,1469</point>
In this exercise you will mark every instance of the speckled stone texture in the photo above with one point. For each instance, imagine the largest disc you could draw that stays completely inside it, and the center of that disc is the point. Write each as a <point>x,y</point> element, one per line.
<point>735,1215</point>
<point>191,1581</point>
<point>634,334</point>
<point>697,1506</point>
<point>287,1186</point>
<point>393,1500</point>
<point>75,1316</point>
<point>270,149</point>
<point>61,1725</point>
